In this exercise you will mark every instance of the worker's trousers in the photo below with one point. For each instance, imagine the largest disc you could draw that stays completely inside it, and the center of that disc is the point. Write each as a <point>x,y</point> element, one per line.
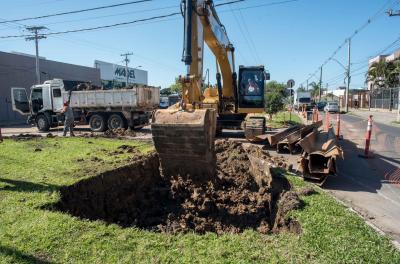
<point>69,126</point>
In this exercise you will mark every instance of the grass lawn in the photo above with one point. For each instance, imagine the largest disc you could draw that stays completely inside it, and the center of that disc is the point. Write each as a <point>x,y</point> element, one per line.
<point>281,119</point>
<point>29,234</point>
<point>396,123</point>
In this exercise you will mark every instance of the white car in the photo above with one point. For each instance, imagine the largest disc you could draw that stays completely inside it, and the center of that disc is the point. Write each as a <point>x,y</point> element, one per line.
<point>332,107</point>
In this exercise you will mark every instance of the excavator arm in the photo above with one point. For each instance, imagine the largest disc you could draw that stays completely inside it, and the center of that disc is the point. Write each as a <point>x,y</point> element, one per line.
<point>202,25</point>
<point>184,134</point>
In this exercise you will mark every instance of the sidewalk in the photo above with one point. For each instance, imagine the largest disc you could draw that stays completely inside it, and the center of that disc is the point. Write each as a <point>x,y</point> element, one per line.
<point>386,118</point>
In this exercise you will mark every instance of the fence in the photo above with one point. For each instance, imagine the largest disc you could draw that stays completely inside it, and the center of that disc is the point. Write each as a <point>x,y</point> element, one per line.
<point>383,99</point>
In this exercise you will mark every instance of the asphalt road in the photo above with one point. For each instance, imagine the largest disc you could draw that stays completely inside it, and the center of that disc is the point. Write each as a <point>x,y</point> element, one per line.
<point>370,186</point>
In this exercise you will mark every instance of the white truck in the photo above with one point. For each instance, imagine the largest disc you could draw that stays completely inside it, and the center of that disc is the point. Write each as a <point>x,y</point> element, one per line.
<point>101,109</point>
<point>303,99</point>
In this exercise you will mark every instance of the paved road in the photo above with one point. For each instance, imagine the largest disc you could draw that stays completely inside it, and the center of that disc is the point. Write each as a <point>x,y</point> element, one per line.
<point>370,186</point>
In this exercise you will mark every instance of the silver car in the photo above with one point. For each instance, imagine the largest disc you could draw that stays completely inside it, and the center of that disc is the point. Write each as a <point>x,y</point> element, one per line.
<point>332,107</point>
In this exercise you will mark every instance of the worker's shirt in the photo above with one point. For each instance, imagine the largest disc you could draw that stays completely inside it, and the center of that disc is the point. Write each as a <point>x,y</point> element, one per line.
<point>69,114</point>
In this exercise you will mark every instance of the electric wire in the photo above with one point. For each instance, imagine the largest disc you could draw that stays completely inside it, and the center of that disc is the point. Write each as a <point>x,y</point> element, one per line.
<point>357,31</point>
<point>75,11</point>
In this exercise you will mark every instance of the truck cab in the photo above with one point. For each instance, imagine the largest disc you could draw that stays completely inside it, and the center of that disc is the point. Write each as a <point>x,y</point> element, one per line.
<point>41,105</point>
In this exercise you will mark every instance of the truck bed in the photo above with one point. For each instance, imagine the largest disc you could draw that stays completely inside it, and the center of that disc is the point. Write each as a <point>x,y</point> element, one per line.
<point>138,98</point>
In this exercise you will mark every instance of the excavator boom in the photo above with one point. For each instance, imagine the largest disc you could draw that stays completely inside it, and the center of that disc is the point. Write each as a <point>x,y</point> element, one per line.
<point>184,134</point>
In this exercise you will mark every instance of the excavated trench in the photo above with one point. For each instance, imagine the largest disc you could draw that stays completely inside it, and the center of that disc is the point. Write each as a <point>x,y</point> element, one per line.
<point>245,194</point>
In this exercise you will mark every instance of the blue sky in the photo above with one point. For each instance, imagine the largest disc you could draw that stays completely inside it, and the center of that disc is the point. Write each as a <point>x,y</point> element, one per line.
<point>291,39</point>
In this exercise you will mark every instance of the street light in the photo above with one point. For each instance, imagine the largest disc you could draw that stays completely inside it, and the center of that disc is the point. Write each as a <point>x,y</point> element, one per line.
<point>347,73</point>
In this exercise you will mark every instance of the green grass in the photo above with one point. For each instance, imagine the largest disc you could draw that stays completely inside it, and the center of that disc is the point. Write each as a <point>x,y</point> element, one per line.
<point>281,120</point>
<point>29,234</point>
<point>395,123</point>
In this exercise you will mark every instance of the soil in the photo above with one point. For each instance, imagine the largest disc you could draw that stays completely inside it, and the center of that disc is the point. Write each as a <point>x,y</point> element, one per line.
<point>248,192</point>
<point>24,137</point>
<point>119,132</point>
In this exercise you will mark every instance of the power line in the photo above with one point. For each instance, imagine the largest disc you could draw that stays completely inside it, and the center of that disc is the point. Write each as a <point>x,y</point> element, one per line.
<point>96,28</point>
<point>252,51</point>
<point>75,11</point>
<point>130,22</point>
<point>357,31</point>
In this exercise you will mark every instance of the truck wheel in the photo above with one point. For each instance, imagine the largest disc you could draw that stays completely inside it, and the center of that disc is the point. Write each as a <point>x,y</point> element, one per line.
<point>42,123</point>
<point>116,121</point>
<point>97,123</point>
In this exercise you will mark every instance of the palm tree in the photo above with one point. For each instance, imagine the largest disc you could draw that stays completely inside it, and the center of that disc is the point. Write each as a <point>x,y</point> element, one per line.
<point>314,89</point>
<point>381,75</point>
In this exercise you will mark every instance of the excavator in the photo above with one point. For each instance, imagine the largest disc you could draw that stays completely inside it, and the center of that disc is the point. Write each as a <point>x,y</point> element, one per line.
<point>184,134</point>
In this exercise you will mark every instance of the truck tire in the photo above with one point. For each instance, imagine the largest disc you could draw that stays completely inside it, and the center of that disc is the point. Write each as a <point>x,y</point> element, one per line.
<point>116,121</point>
<point>43,123</point>
<point>97,123</point>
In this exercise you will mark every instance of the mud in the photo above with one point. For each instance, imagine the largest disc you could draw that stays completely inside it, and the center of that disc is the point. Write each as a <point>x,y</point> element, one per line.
<point>138,195</point>
<point>119,132</point>
<point>23,137</point>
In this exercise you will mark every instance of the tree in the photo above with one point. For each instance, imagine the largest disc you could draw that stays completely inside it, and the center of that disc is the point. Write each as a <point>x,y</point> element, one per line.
<point>383,75</point>
<point>314,89</point>
<point>380,74</point>
<point>274,97</point>
<point>301,89</point>
<point>176,88</point>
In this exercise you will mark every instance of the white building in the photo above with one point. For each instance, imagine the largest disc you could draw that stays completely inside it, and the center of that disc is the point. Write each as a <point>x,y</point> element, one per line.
<point>114,75</point>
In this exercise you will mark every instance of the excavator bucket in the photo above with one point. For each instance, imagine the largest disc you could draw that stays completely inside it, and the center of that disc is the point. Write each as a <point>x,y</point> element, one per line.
<point>184,141</point>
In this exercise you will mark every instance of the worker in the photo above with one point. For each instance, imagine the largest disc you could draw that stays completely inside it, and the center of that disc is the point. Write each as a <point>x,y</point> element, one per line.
<point>69,119</point>
<point>252,88</point>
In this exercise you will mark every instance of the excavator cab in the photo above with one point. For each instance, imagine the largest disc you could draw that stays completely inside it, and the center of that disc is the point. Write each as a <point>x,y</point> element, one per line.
<point>251,87</point>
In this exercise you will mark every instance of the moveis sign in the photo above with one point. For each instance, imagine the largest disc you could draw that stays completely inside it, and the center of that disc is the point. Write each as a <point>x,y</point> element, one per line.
<point>120,72</point>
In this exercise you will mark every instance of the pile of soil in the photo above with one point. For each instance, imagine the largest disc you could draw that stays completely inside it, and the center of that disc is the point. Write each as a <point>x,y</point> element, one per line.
<point>24,137</point>
<point>119,132</point>
<point>234,200</point>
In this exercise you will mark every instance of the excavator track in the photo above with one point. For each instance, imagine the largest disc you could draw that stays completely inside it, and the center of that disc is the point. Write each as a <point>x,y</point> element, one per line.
<point>184,141</point>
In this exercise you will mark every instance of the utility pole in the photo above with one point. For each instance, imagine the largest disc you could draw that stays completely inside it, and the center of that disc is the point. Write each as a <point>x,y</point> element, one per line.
<point>320,85</point>
<point>390,13</point>
<point>126,65</point>
<point>307,86</point>
<point>348,75</point>
<point>35,30</point>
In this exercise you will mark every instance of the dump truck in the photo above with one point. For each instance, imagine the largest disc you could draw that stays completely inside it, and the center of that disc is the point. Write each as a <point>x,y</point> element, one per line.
<point>101,109</point>
<point>303,99</point>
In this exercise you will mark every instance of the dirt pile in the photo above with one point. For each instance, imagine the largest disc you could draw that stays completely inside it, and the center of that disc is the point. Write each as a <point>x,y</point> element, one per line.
<point>24,137</point>
<point>137,195</point>
<point>119,132</point>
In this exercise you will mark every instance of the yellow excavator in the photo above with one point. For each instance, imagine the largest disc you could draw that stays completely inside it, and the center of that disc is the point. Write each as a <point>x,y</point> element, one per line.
<point>184,134</point>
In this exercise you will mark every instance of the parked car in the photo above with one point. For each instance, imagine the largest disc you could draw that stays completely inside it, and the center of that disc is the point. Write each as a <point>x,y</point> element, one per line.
<point>332,107</point>
<point>321,106</point>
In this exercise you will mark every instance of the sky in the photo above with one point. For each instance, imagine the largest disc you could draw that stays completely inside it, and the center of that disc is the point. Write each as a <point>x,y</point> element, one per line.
<point>292,39</point>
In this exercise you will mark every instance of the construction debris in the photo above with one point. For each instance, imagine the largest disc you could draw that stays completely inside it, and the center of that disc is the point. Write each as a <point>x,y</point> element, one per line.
<point>318,160</point>
<point>275,138</point>
<point>290,141</point>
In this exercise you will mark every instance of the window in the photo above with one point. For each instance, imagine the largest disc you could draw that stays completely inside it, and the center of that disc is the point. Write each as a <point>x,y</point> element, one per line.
<point>20,96</point>
<point>251,88</point>
<point>56,93</point>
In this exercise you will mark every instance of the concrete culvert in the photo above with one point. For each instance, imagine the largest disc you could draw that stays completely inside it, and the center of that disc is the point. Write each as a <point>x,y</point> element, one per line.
<point>138,195</point>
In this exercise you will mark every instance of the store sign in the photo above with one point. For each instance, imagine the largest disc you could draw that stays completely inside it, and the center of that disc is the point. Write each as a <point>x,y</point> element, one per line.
<point>120,73</point>
<point>110,72</point>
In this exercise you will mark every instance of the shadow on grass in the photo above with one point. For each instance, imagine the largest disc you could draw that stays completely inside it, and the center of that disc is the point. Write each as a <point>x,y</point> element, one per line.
<point>20,257</point>
<point>24,186</point>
